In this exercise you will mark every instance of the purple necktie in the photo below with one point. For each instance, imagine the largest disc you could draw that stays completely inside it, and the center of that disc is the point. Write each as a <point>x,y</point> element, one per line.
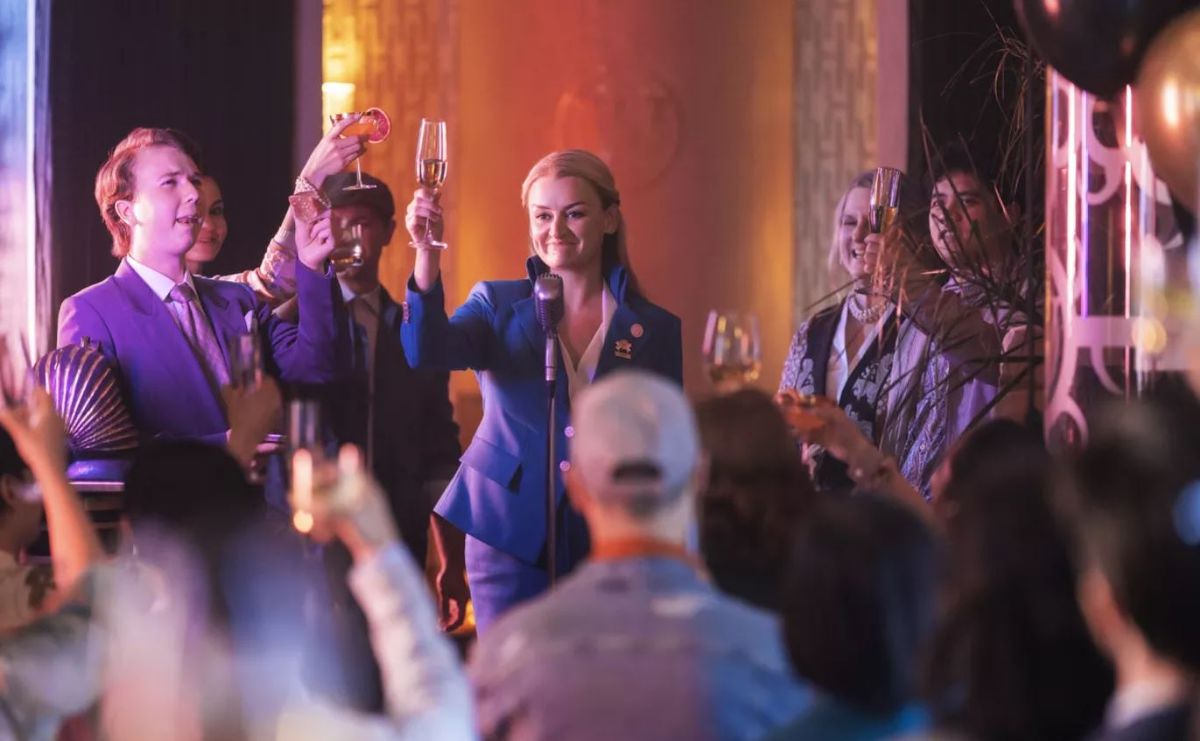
<point>191,319</point>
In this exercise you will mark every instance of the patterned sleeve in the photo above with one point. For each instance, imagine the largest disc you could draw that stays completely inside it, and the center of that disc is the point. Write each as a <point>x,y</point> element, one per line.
<point>793,366</point>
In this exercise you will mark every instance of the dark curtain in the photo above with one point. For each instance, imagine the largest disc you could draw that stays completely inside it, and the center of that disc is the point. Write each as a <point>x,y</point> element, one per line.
<point>956,94</point>
<point>220,70</point>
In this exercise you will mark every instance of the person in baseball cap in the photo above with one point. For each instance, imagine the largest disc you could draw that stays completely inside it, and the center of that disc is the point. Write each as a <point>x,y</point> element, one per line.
<point>634,448</point>
<point>636,642</point>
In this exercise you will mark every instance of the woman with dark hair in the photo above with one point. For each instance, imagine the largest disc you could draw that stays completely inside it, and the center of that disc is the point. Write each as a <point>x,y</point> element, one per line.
<point>756,494</point>
<point>858,606</point>
<point>497,498</point>
<point>1012,658</point>
<point>866,354</point>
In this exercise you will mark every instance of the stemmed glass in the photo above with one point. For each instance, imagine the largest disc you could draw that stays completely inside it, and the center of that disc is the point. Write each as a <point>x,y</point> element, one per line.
<point>375,125</point>
<point>884,208</point>
<point>732,351</point>
<point>431,167</point>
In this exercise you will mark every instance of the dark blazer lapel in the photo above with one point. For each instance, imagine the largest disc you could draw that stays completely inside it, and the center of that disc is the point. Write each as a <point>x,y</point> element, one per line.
<point>820,344</point>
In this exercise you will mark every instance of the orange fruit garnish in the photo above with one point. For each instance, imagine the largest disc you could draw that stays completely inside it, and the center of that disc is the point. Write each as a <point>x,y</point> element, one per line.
<point>383,125</point>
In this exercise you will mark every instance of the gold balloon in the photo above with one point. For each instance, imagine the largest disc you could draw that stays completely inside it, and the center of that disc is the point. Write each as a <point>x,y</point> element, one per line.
<point>1167,100</point>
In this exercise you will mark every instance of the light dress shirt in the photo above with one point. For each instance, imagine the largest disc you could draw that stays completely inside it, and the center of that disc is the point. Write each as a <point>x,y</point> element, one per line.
<point>581,375</point>
<point>838,370</point>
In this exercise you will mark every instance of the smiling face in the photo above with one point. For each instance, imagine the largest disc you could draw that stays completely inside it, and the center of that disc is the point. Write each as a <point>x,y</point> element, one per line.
<point>213,227</point>
<point>567,223</point>
<point>163,213</point>
<point>852,228</point>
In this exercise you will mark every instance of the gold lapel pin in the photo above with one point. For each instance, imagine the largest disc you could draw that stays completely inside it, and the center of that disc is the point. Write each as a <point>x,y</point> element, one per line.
<point>624,350</point>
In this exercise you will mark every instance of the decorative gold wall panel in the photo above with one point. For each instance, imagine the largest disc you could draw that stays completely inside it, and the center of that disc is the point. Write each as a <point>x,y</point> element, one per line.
<point>401,56</point>
<point>836,72</point>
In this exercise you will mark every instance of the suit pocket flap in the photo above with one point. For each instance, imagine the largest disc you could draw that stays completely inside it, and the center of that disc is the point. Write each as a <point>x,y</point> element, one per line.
<point>494,462</point>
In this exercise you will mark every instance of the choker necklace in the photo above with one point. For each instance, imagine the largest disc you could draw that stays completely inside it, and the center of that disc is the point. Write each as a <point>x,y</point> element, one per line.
<point>864,314</point>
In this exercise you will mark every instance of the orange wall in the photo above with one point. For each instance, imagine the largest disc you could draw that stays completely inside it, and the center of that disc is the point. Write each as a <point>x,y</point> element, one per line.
<point>690,102</point>
<point>710,80</point>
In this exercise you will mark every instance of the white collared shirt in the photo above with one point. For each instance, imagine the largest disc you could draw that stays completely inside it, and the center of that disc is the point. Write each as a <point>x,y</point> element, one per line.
<point>159,283</point>
<point>838,370</point>
<point>368,319</point>
<point>584,372</point>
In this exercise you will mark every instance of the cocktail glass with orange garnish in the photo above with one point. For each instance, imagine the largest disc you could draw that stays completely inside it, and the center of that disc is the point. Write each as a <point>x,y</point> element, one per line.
<point>375,125</point>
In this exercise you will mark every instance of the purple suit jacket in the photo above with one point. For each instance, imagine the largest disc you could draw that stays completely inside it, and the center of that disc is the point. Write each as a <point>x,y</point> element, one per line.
<point>168,393</point>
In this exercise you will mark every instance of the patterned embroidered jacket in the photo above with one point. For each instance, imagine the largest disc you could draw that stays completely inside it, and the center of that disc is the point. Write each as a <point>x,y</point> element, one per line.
<point>897,393</point>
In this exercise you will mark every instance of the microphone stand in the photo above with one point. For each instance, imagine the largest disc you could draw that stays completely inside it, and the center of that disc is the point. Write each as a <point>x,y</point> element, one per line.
<point>551,489</point>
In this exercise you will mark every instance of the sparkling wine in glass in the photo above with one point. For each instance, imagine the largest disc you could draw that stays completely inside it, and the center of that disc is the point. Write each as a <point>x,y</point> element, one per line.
<point>431,167</point>
<point>885,199</point>
<point>375,125</point>
<point>732,351</point>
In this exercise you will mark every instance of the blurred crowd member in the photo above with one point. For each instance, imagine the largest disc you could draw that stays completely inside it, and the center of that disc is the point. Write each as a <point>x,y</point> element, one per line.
<point>49,668</point>
<point>636,643</point>
<point>210,633</point>
<point>867,356</point>
<point>858,607</point>
<point>756,494</point>
<point>161,327</point>
<point>32,482</point>
<point>1012,658</point>
<point>1135,505</point>
<point>497,497</point>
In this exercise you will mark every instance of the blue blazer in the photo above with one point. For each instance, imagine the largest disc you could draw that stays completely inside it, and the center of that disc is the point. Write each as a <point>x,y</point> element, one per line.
<point>166,389</point>
<point>497,496</point>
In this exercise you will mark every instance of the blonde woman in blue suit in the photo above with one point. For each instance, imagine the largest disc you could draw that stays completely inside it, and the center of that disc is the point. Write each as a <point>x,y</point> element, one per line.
<point>576,231</point>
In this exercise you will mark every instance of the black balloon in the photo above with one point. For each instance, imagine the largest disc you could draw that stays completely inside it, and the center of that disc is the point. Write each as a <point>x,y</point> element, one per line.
<point>1096,44</point>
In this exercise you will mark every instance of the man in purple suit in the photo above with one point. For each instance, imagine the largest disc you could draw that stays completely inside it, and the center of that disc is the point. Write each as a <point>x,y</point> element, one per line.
<point>164,330</point>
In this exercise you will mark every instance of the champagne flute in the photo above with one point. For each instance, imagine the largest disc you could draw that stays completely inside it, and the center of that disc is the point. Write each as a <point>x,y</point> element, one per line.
<point>431,167</point>
<point>374,124</point>
<point>885,199</point>
<point>883,210</point>
<point>732,351</point>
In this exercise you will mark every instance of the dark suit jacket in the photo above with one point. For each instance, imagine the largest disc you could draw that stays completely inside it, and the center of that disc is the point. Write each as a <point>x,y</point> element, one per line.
<point>415,438</point>
<point>497,496</point>
<point>167,391</point>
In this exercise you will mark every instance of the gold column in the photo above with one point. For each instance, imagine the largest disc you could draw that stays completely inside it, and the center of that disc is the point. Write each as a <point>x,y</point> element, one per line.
<point>836,136</point>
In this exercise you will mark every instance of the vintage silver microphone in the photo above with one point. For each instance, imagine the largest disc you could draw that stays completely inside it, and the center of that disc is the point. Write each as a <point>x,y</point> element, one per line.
<point>548,305</point>
<point>548,300</point>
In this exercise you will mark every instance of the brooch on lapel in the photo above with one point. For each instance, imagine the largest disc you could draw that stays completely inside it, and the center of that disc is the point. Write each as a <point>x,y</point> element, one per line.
<point>624,350</point>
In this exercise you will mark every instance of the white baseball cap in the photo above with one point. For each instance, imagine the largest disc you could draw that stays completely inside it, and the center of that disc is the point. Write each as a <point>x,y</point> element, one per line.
<point>634,435</point>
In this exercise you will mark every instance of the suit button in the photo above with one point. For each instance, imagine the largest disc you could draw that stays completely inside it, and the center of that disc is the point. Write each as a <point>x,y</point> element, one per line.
<point>569,432</point>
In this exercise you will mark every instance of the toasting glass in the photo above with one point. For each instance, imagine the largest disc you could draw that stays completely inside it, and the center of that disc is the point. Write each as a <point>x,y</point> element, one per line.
<point>732,352</point>
<point>431,167</point>
<point>375,125</point>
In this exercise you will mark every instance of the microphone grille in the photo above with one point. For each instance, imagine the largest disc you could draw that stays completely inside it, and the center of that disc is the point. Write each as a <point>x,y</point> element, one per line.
<point>548,297</point>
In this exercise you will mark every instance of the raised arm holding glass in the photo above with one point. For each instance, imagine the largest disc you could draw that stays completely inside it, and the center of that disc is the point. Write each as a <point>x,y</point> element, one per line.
<point>497,496</point>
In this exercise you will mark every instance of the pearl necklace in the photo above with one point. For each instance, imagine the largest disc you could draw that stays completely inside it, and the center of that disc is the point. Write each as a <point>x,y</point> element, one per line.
<point>864,314</point>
